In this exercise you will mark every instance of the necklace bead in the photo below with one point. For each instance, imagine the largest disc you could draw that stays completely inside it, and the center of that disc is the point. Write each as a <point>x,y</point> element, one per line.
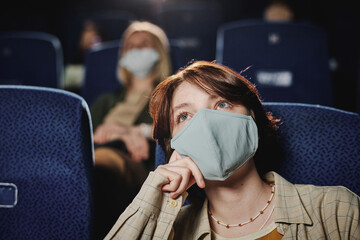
<point>251,219</point>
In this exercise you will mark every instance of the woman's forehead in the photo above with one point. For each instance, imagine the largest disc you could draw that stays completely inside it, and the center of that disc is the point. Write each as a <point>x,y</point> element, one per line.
<point>185,89</point>
<point>139,38</point>
<point>189,93</point>
<point>140,34</point>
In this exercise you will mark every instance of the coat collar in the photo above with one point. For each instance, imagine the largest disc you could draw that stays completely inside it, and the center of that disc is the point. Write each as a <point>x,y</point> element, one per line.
<point>203,223</point>
<point>287,197</point>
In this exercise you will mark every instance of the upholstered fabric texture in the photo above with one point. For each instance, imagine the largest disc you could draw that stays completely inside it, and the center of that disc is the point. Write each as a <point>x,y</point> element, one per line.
<point>46,151</point>
<point>322,145</point>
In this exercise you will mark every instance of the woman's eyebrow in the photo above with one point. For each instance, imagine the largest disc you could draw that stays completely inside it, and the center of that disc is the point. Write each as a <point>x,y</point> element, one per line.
<point>181,105</point>
<point>214,96</point>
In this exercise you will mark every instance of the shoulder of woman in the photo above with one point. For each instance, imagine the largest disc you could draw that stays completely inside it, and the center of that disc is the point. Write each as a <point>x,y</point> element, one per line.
<point>110,96</point>
<point>323,211</point>
<point>108,99</point>
<point>329,200</point>
<point>341,197</point>
<point>329,193</point>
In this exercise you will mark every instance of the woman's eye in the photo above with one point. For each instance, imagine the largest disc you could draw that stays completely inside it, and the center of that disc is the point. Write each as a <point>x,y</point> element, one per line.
<point>222,105</point>
<point>183,117</point>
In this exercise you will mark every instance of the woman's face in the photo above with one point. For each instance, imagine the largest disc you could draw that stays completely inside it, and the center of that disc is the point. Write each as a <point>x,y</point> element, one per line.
<point>139,40</point>
<point>188,99</point>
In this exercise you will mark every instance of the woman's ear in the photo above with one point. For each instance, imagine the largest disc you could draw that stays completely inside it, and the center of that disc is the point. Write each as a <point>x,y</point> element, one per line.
<point>252,114</point>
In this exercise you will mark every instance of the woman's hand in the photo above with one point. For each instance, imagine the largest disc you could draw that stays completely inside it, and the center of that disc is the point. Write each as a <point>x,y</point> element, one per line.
<point>107,132</point>
<point>182,174</point>
<point>135,141</point>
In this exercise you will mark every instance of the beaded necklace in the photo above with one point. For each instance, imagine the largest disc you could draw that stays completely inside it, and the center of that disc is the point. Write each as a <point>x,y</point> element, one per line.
<point>251,219</point>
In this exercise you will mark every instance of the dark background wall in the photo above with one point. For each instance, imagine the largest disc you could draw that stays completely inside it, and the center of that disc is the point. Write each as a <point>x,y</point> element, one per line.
<point>340,19</point>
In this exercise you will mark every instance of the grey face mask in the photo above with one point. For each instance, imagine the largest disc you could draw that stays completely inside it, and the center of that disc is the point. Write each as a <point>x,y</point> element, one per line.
<point>140,62</point>
<point>218,142</point>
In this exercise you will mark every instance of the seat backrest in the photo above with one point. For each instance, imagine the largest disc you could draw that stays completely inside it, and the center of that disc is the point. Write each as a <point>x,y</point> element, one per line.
<point>46,162</point>
<point>177,55</point>
<point>101,66</point>
<point>289,61</point>
<point>100,70</point>
<point>321,145</point>
<point>195,25</point>
<point>358,89</point>
<point>31,58</point>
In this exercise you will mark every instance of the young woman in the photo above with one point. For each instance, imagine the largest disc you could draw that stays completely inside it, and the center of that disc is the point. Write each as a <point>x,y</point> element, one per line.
<point>124,150</point>
<point>211,124</point>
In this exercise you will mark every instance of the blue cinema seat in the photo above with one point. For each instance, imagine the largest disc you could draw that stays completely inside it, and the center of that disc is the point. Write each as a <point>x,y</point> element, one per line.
<point>358,89</point>
<point>321,145</point>
<point>289,61</point>
<point>100,71</point>
<point>46,162</point>
<point>193,24</point>
<point>101,66</point>
<point>31,58</point>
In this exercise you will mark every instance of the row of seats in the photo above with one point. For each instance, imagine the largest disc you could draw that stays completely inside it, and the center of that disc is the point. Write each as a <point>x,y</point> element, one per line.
<point>31,58</point>
<point>46,158</point>
<point>184,23</point>
<point>287,61</point>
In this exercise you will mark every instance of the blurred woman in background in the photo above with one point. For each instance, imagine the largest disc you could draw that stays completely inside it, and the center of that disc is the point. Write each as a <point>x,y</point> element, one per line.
<point>124,151</point>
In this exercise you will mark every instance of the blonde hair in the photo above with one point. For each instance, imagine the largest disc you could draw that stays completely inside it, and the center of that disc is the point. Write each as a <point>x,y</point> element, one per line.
<point>163,68</point>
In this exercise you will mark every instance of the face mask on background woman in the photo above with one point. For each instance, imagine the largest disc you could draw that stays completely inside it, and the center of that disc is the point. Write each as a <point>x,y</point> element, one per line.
<point>140,62</point>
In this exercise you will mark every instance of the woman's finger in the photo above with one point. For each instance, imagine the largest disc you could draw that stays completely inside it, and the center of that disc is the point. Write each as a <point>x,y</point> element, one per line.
<point>137,146</point>
<point>175,156</point>
<point>173,177</point>
<point>190,164</point>
<point>185,182</point>
<point>98,137</point>
<point>180,177</point>
<point>199,179</point>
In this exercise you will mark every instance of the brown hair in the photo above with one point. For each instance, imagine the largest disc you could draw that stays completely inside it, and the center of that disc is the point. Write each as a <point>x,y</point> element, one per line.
<point>224,82</point>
